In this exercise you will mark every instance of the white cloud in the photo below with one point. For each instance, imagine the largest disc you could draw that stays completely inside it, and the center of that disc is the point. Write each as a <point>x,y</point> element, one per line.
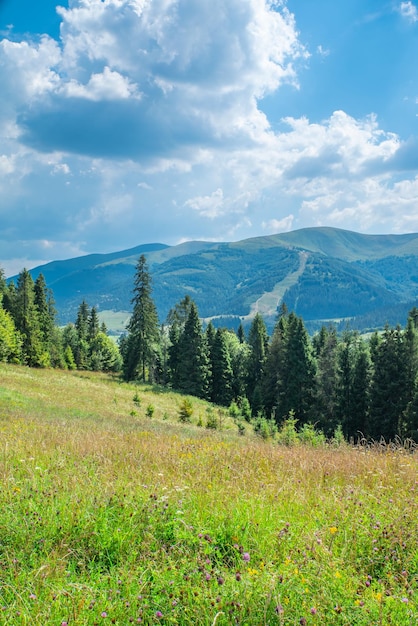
<point>209,206</point>
<point>279,226</point>
<point>150,109</point>
<point>409,11</point>
<point>107,85</point>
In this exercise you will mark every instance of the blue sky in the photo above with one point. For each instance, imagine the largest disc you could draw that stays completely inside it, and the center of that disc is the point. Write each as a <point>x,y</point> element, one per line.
<point>131,121</point>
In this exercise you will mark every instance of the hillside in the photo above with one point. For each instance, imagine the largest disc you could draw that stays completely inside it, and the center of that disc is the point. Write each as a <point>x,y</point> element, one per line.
<point>111,516</point>
<point>321,273</point>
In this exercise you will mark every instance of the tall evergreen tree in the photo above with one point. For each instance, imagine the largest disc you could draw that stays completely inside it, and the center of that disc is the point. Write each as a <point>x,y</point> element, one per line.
<point>326,380</point>
<point>93,324</point>
<point>81,354</point>
<point>222,374</point>
<point>44,304</point>
<point>27,322</point>
<point>274,366</point>
<point>258,342</point>
<point>143,329</point>
<point>296,381</point>
<point>356,423</point>
<point>389,392</point>
<point>193,368</point>
<point>176,321</point>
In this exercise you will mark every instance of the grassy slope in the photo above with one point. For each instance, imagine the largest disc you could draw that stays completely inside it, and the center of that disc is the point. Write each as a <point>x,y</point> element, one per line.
<point>107,516</point>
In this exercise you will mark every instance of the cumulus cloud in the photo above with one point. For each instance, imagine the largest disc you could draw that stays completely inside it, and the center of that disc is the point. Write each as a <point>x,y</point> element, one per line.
<point>190,75</point>
<point>144,123</point>
<point>409,11</point>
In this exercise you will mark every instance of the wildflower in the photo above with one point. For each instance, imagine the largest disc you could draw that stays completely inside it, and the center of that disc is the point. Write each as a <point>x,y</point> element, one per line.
<point>279,609</point>
<point>158,614</point>
<point>220,580</point>
<point>238,576</point>
<point>246,556</point>
<point>103,614</point>
<point>313,611</point>
<point>64,623</point>
<point>405,600</point>
<point>333,530</point>
<point>303,621</point>
<point>32,596</point>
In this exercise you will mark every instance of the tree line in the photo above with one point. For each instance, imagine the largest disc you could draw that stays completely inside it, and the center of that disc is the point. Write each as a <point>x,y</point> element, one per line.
<point>29,334</point>
<point>366,387</point>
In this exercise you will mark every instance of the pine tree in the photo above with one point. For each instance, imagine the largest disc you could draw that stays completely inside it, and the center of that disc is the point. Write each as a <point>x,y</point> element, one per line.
<point>93,324</point>
<point>193,367</point>
<point>258,342</point>
<point>326,380</point>
<point>296,380</point>
<point>143,328</point>
<point>27,322</point>
<point>222,374</point>
<point>176,321</point>
<point>241,333</point>
<point>389,392</point>
<point>81,353</point>
<point>357,420</point>
<point>274,366</point>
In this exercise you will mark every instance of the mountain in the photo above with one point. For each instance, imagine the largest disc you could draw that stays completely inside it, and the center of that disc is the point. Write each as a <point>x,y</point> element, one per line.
<point>320,273</point>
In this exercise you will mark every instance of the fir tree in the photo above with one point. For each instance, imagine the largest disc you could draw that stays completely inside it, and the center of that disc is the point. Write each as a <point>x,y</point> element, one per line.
<point>222,374</point>
<point>193,368</point>
<point>389,392</point>
<point>258,342</point>
<point>143,330</point>
<point>27,322</point>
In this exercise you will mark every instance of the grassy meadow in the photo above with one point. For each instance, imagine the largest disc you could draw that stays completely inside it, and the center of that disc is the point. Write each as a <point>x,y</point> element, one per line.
<point>114,512</point>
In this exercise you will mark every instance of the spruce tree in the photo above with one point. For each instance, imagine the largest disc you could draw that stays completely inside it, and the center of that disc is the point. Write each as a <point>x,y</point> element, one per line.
<point>27,322</point>
<point>176,321</point>
<point>81,354</point>
<point>222,374</point>
<point>193,367</point>
<point>296,380</point>
<point>258,342</point>
<point>326,380</point>
<point>389,386</point>
<point>143,329</point>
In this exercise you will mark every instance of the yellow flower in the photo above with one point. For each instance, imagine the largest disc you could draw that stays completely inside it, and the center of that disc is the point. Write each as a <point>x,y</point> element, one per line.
<point>333,530</point>
<point>337,575</point>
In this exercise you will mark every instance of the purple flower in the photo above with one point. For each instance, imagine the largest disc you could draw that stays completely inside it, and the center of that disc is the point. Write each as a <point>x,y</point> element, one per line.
<point>103,614</point>
<point>246,556</point>
<point>313,611</point>
<point>158,614</point>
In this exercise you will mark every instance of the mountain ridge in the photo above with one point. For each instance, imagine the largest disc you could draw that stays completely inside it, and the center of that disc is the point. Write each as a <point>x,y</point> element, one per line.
<point>344,275</point>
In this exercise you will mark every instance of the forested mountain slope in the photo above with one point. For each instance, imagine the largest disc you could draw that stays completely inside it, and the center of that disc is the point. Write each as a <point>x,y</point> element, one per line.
<point>321,273</point>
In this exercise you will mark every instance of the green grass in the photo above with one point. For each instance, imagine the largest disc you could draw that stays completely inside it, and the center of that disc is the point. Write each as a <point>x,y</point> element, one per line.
<point>108,516</point>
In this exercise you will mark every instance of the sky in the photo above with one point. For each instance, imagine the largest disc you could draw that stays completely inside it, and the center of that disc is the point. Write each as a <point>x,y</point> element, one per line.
<point>125,122</point>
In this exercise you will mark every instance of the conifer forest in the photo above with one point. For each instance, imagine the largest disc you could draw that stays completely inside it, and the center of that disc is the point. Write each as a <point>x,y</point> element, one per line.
<point>367,387</point>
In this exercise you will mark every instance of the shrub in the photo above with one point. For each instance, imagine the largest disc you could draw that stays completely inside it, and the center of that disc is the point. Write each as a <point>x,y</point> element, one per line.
<point>150,410</point>
<point>211,419</point>
<point>288,435</point>
<point>265,428</point>
<point>310,436</point>
<point>234,410</point>
<point>186,411</point>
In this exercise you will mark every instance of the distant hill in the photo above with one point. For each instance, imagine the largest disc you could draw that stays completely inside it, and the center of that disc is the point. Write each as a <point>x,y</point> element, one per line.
<point>320,273</point>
